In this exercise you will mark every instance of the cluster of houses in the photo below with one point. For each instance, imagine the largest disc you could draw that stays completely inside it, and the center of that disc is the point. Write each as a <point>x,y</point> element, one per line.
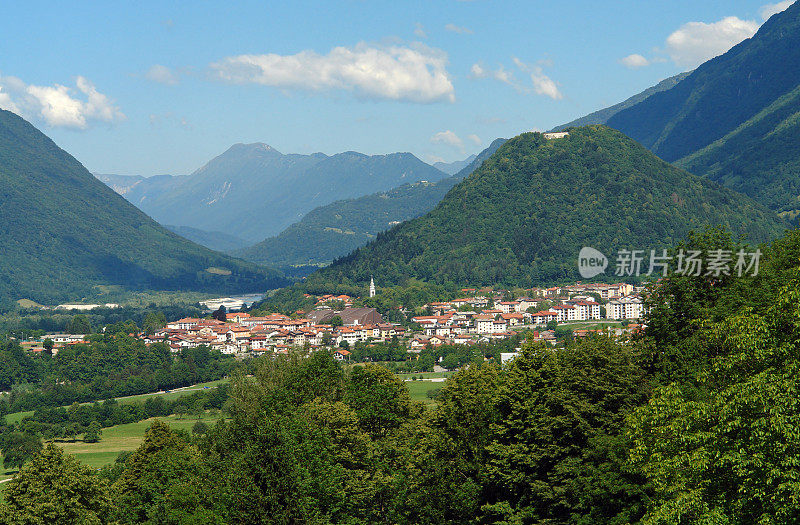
<point>242,333</point>
<point>480,316</point>
<point>485,316</point>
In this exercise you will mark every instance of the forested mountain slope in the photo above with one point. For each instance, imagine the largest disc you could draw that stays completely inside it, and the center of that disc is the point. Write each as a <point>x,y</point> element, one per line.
<point>65,232</point>
<point>523,216</point>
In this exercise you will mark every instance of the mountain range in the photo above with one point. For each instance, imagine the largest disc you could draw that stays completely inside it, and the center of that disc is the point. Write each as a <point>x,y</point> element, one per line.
<point>523,216</point>
<point>336,229</point>
<point>736,118</point>
<point>252,191</point>
<point>66,234</point>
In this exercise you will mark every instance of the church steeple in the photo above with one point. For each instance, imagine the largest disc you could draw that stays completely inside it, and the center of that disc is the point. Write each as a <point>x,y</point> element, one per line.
<point>371,287</point>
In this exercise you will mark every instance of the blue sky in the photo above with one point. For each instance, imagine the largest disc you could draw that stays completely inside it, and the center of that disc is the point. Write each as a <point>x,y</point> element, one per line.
<point>148,88</point>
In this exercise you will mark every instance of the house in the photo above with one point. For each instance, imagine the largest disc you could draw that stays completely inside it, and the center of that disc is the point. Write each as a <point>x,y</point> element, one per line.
<point>484,324</point>
<point>342,355</point>
<point>183,324</point>
<point>513,319</point>
<point>418,343</point>
<point>507,307</point>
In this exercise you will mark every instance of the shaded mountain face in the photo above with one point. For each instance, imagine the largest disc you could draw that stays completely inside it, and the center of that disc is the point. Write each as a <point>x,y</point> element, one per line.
<point>735,118</point>
<point>602,116</point>
<point>219,241</point>
<point>252,191</point>
<point>336,229</point>
<point>523,216</point>
<point>65,233</point>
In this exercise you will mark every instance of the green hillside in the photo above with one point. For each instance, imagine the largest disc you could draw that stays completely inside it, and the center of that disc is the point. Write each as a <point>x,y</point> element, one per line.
<point>523,216</point>
<point>720,95</point>
<point>336,229</point>
<point>760,158</point>
<point>66,232</point>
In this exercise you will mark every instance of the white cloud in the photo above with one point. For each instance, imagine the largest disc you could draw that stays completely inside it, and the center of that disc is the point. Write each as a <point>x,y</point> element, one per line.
<point>501,74</point>
<point>58,105</point>
<point>162,75</point>
<point>461,30</point>
<point>414,73</point>
<point>541,84</point>
<point>448,138</point>
<point>773,9</point>
<point>634,61</point>
<point>474,139</point>
<point>695,42</point>
<point>419,30</point>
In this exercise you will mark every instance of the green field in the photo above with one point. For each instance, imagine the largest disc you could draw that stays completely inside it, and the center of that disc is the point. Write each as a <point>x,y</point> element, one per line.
<point>117,439</point>
<point>122,438</point>
<point>419,390</point>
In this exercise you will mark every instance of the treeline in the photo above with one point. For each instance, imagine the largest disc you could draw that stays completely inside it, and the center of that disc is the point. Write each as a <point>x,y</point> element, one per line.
<point>108,366</point>
<point>395,356</point>
<point>66,423</point>
<point>33,322</point>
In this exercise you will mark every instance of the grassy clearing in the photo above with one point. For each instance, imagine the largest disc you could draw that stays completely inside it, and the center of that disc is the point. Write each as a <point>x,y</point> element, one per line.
<point>419,390</point>
<point>16,417</point>
<point>123,438</point>
<point>116,439</point>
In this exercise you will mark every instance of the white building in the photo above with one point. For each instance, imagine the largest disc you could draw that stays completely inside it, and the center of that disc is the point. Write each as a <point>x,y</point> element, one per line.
<point>625,308</point>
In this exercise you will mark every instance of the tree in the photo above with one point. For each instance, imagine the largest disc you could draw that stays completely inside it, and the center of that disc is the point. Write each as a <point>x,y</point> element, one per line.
<point>153,321</point>
<point>379,398</point>
<point>165,481</point>
<point>220,313</point>
<point>93,432</point>
<point>48,345</point>
<point>737,456</point>
<point>326,338</point>
<point>336,321</point>
<point>180,410</point>
<point>71,431</point>
<point>557,449</point>
<point>79,324</point>
<point>19,447</point>
<point>199,428</point>
<point>55,488</point>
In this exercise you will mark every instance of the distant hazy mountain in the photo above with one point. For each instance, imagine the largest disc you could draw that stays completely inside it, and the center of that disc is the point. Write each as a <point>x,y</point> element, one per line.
<point>523,216</point>
<point>336,229</point>
<point>451,168</point>
<point>219,241</point>
<point>252,191</point>
<point>602,116</point>
<point>65,233</point>
<point>735,118</point>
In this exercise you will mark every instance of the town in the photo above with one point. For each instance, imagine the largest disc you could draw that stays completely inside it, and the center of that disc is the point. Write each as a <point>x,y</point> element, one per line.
<point>480,316</point>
